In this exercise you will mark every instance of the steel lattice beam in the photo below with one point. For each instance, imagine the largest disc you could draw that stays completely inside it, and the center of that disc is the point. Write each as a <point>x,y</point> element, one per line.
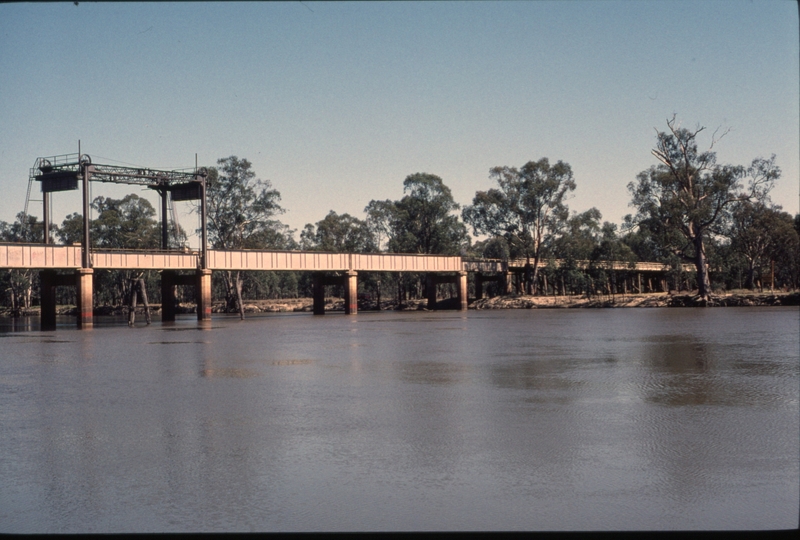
<point>64,166</point>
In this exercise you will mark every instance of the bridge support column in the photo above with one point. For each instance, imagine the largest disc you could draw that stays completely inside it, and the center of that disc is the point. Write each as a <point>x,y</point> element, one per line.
<point>351,293</point>
<point>319,293</point>
<point>461,283</point>
<point>478,285</point>
<point>430,289</point>
<point>167,296</point>
<point>507,281</point>
<point>84,278</point>
<point>203,293</point>
<point>47,280</point>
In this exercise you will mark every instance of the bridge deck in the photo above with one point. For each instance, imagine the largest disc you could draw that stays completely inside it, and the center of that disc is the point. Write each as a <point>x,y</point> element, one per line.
<point>40,256</point>
<point>607,265</point>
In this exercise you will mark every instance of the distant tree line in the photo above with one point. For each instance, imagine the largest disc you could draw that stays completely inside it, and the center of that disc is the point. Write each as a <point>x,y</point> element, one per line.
<point>688,209</point>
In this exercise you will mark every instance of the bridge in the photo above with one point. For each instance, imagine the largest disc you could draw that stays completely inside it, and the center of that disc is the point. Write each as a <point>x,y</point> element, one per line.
<point>185,267</point>
<point>74,265</point>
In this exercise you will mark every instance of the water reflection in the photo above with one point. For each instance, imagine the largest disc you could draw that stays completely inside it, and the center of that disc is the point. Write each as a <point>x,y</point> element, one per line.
<point>683,372</point>
<point>436,373</point>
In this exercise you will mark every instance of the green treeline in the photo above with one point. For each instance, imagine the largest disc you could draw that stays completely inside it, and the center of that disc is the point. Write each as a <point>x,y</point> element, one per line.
<point>688,209</point>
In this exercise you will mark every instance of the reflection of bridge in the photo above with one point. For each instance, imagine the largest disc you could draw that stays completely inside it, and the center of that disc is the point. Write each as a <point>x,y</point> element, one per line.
<point>328,268</point>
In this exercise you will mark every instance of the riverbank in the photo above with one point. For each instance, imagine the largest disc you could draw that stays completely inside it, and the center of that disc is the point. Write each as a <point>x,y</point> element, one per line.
<point>733,299</point>
<point>289,305</point>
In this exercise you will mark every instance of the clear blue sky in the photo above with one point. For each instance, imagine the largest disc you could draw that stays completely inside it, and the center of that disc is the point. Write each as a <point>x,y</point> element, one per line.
<point>336,103</point>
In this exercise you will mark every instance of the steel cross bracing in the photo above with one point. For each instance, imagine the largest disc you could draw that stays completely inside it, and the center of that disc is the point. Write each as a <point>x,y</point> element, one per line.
<point>113,173</point>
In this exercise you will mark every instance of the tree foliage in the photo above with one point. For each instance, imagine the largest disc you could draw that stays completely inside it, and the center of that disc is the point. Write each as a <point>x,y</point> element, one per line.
<point>338,233</point>
<point>528,209</point>
<point>241,208</point>
<point>423,221</point>
<point>762,235</point>
<point>241,212</point>
<point>684,198</point>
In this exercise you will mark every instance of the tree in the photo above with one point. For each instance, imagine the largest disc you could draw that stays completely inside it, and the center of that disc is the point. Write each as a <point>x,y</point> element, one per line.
<point>423,220</point>
<point>610,249</point>
<point>684,198</point>
<point>579,237</point>
<point>528,209</point>
<point>240,215</point>
<point>125,223</point>
<point>761,234</point>
<point>338,233</point>
<point>19,283</point>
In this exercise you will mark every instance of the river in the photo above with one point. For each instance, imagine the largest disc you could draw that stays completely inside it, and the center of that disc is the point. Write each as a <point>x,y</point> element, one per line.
<point>612,419</point>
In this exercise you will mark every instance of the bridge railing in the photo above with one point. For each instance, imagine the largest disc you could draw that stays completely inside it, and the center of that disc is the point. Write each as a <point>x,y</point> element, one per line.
<point>607,265</point>
<point>330,262</point>
<point>42,256</point>
<point>22,256</point>
<point>484,265</point>
<point>121,259</point>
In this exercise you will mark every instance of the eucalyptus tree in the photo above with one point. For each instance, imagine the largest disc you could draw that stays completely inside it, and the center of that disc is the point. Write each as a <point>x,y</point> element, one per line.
<point>528,209</point>
<point>610,249</point>
<point>761,235</point>
<point>684,199</point>
<point>240,212</point>
<point>338,233</point>
<point>423,221</point>
<point>129,222</point>
<point>580,236</point>
<point>579,239</point>
<point>19,284</point>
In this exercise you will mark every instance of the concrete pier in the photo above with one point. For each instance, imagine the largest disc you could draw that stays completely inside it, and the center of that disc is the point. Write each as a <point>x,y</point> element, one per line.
<point>48,292</point>
<point>167,296</point>
<point>461,287</point>
<point>502,278</point>
<point>84,279</point>
<point>319,293</point>
<point>459,279</point>
<point>349,281</point>
<point>350,293</point>
<point>203,295</point>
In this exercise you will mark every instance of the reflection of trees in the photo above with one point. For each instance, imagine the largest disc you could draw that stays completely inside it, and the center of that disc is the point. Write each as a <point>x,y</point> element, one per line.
<point>427,372</point>
<point>711,418</point>
<point>683,371</point>
<point>534,374</point>
<point>679,373</point>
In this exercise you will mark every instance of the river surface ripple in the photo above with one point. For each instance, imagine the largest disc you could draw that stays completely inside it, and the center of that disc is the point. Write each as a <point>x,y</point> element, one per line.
<point>628,419</point>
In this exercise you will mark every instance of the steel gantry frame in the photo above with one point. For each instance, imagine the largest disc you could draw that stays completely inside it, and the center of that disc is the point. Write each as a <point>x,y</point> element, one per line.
<point>64,173</point>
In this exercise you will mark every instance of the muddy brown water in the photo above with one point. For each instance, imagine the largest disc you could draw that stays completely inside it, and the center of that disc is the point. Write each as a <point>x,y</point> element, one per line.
<point>629,419</point>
